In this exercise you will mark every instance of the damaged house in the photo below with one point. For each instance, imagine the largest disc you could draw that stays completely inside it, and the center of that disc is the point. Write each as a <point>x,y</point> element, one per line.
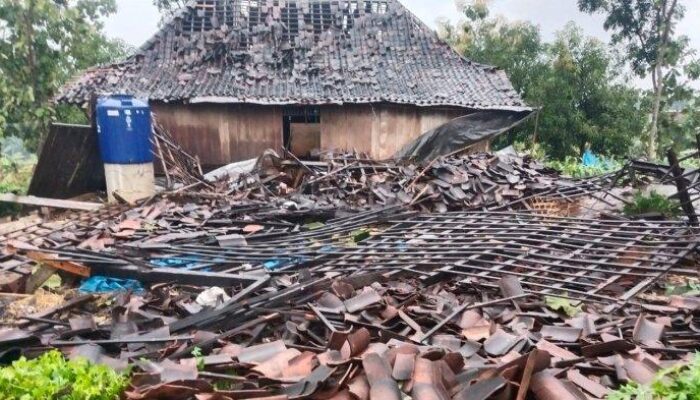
<point>231,78</point>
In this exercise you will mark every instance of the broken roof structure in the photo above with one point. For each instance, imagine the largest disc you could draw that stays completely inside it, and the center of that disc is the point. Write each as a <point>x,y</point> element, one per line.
<point>226,290</point>
<point>300,52</point>
<point>231,78</point>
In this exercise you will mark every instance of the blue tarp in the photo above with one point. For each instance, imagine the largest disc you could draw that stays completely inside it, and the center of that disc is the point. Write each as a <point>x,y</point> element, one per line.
<point>277,263</point>
<point>590,160</point>
<point>102,284</point>
<point>185,262</point>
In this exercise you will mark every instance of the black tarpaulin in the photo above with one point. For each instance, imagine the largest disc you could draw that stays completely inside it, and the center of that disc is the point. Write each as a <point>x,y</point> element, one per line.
<point>461,133</point>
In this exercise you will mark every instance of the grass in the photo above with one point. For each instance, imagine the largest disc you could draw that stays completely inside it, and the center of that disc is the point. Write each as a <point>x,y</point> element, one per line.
<point>678,383</point>
<point>52,377</point>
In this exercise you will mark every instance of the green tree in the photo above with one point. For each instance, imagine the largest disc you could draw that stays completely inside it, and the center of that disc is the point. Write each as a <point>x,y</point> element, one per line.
<point>43,43</point>
<point>647,29</point>
<point>681,122</point>
<point>573,80</point>
<point>582,103</point>
<point>515,47</point>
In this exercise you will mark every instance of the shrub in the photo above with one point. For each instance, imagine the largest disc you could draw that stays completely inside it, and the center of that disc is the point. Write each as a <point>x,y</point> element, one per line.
<point>572,167</point>
<point>52,377</point>
<point>652,203</point>
<point>14,178</point>
<point>678,383</point>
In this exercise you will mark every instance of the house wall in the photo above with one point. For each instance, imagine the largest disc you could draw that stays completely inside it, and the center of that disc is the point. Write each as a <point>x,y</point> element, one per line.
<point>223,133</point>
<point>379,130</point>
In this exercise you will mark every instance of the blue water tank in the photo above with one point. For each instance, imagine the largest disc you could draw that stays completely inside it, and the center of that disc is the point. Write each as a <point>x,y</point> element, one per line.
<point>124,130</point>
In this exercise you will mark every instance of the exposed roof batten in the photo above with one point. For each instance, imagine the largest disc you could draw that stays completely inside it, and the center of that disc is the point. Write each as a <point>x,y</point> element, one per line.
<point>299,51</point>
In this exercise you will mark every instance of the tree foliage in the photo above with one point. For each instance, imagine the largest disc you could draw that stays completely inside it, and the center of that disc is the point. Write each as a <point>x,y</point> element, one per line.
<point>168,7</point>
<point>574,80</point>
<point>647,30</point>
<point>43,43</point>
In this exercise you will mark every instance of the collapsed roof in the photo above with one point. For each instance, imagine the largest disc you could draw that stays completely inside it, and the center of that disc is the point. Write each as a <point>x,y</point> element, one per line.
<point>299,52</point>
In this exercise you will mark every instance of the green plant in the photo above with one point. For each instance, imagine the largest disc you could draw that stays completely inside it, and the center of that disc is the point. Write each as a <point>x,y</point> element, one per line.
<point>687,289</point>
<point>572,167</point>
<point>15,176</point>
<point>52,377</point>
<point>690,163</point>
<point>198,355</point>
<point>652,203</point>
<point>563,305</point>
<point>677,383</point>
<point>534,150</point>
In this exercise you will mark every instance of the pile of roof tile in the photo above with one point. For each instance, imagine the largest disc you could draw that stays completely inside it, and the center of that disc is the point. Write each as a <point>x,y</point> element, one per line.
<point>365,337</point>
<point>264,286</point>
<point>350,181</point>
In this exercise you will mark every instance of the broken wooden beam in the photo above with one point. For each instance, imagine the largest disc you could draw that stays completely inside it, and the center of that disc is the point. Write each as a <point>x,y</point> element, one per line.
<point>52,203</point>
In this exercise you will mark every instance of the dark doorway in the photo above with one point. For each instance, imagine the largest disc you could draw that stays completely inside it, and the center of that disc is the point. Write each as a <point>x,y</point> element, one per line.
<point>302,130</point>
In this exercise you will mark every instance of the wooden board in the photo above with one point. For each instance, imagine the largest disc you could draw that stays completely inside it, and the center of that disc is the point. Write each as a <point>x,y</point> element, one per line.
<point>220,134</point>
<point>224,133</point>
<point>379,130</point>
<point>305,138</point>
<point>69,163</point>
<point>51,203</point>
<point>347,127</point>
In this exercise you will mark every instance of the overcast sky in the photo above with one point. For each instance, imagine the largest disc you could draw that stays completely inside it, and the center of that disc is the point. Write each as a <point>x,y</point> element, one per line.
<point>137,20</point>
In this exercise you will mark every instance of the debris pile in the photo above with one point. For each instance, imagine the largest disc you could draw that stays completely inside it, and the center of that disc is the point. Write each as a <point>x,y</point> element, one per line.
<point>351,181</point>
<point>366,335</point>
<point>177,165</point>
<point>348,278</point>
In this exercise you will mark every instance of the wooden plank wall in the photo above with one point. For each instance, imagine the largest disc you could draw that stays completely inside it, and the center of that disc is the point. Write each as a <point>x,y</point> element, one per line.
<point>379,130</point>
<point>347,127</point>
<point>222,133</point>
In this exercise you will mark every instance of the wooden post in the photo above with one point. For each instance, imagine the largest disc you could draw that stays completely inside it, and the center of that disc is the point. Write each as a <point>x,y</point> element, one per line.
<point>683,195</point>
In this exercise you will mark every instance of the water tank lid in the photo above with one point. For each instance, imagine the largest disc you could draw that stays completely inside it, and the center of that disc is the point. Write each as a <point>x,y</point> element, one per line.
<point>121,100</point>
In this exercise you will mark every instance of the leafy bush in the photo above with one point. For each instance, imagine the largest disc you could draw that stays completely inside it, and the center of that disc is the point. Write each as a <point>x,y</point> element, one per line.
<point>15,176</point>
<point>652,203</point>
<point>52,377</point>
<point>678,383</point>
<point>534,150</point>
<point>572,167</point>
